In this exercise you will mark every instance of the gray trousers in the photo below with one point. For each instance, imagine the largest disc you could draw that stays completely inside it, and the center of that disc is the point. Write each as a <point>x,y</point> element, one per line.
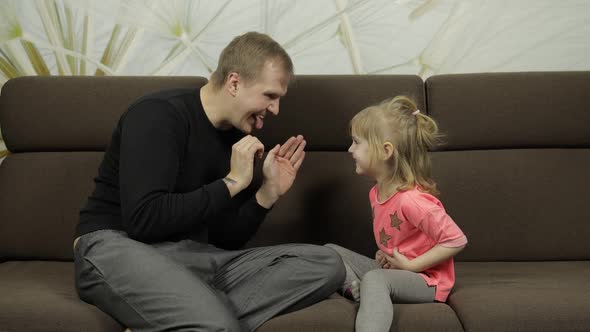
<point>380,288</point>
<point>192,286</point>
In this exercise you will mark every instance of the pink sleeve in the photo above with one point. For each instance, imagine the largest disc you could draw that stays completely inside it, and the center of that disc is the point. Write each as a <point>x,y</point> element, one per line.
<point>443,229</point>
<point>436,224</point>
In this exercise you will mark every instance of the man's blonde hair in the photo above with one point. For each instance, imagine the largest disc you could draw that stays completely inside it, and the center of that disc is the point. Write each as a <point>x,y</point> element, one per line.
<point>247,55</point>
<point>411,133</point>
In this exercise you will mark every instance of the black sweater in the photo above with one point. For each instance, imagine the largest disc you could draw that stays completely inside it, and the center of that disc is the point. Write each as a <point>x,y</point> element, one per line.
<point>160,178</point>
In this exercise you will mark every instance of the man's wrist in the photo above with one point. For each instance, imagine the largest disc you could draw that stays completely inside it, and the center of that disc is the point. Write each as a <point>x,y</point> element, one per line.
<point>266,198</point>
<point>232,185</point>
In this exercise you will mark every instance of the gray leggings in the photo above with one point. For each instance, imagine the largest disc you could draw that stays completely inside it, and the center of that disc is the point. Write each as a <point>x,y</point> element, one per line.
<point>192,286</point>
<point>380,288</point>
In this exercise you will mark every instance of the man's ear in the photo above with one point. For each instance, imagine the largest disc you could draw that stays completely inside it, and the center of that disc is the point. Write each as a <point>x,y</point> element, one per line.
<point>387,150</point>
<point>232,82</point>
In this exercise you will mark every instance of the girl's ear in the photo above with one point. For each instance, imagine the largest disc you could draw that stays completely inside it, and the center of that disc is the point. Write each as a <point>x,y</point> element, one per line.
<point>387,150</point>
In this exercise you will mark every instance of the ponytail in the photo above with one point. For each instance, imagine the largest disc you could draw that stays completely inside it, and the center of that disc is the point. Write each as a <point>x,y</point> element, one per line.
<point>412,134</point>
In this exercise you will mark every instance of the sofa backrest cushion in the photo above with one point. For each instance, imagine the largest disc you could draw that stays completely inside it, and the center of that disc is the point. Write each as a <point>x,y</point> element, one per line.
<point>511,110</point>
<point>72,113</point>
<point>514,172</point>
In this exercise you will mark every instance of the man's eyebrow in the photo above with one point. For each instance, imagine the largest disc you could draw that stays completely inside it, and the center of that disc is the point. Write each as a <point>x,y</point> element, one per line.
<point>274,93</point>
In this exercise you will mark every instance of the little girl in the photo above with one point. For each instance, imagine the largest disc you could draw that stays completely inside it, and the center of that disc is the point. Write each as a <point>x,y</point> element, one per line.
<point>416,238</point>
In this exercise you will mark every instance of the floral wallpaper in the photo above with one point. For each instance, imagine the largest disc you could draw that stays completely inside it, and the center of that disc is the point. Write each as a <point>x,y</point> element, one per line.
<point>185,37</point>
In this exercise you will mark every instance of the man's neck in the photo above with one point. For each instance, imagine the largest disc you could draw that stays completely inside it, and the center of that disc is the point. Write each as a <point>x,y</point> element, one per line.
<point>214,106</point>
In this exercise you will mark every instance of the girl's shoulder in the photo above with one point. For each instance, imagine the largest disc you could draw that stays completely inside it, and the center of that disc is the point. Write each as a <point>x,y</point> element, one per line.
<point>416,198</point>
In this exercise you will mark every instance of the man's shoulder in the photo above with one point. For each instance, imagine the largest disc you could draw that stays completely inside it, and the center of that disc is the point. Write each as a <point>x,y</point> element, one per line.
<point>172,103</point>
<point>167,96</point>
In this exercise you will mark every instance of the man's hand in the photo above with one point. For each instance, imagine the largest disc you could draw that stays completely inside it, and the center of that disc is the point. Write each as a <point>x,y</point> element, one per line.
<point>280,169</point>
<point>242,163</point>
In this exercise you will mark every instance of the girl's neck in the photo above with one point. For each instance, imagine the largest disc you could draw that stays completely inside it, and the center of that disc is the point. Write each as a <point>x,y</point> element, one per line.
<point>386,188</point>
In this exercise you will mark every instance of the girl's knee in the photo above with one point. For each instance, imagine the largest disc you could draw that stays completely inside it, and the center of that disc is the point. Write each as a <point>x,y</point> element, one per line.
<point>374,277</point>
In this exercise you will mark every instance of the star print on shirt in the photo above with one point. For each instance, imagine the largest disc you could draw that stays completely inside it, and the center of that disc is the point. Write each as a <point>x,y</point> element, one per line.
<point>395,221</point>
<point>384,237</point>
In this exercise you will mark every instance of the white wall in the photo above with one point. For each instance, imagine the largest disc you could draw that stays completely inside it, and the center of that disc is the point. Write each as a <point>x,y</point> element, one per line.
<point>183,37</point>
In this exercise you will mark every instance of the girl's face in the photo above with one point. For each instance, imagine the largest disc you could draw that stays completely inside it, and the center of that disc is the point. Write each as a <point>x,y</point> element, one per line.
<point>360,153</point>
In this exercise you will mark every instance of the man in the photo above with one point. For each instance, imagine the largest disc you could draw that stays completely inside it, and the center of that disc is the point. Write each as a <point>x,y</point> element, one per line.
<point>157,242</point>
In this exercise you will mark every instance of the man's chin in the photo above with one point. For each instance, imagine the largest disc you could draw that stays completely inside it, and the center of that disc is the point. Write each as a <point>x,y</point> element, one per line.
<point>246,129</point>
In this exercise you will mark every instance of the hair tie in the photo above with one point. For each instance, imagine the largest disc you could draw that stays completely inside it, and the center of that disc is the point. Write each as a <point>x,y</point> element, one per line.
<point>416,112</point>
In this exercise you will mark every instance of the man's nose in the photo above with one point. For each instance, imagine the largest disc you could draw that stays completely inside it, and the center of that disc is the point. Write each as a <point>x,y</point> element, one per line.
<point>274,107</point>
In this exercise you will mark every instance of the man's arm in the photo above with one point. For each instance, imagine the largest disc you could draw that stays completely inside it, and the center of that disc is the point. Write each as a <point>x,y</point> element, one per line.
<point>279,171</point>
<point>153,140</point>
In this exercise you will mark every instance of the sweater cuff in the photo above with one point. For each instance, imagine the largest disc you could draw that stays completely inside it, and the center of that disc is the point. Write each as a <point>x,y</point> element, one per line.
<point>219,194</point>
<point>256,209</point>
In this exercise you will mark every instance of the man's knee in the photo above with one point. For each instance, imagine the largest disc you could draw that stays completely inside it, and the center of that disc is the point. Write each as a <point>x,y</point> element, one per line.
<point>336,273</point>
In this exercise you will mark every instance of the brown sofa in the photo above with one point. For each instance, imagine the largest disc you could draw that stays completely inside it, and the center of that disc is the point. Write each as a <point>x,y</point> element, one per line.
<point>514,174</point>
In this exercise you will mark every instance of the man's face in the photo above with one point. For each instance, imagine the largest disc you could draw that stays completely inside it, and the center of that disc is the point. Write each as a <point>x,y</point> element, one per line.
<point>255,99</point>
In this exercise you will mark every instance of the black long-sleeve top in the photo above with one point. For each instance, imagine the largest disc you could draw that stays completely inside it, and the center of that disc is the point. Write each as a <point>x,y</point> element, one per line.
<point>161,177</point>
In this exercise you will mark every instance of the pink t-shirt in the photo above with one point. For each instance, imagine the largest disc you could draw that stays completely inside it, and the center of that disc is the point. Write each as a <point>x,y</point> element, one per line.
<point>414,222</point>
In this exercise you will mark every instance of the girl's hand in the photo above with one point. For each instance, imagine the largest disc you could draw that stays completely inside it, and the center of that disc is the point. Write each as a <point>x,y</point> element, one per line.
<point>396,261</point>
<point>381,259</point>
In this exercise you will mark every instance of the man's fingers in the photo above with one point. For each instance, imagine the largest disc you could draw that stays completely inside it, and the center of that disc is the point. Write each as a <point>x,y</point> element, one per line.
<point>298,153</point>
<point>257,148</point>
<point>299,161</point>
<point>250,146</point>
<point>286,146</point>
<point>296,144</point>
<point>273,152</point>
<point>245,143</point>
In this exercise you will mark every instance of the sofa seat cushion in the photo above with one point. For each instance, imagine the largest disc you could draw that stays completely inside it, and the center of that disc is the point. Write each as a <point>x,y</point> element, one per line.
<point>337,314</point>
<point>423,317</point>
<point>40,296</point>
<point>331,315</point>
<point>522,296</point>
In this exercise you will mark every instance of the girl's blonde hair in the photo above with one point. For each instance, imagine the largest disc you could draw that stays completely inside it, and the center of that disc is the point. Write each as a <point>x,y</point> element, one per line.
<point>411,132</point>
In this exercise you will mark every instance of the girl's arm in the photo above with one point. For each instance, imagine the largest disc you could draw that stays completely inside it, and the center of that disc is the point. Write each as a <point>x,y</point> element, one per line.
<point>432,257</point>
